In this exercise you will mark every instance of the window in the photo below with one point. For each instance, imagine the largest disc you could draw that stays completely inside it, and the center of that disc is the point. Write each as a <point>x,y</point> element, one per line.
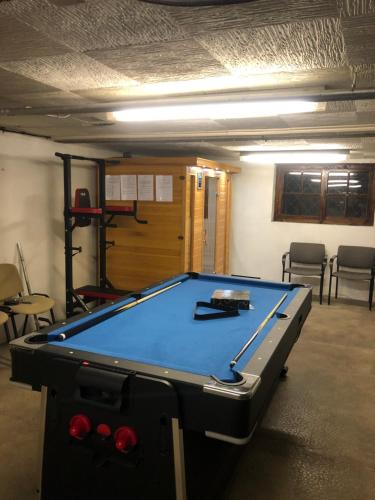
<point>329,194</point>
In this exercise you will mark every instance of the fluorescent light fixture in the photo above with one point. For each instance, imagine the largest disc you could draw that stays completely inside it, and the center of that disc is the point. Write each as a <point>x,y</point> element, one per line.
<point>287,147</point>
<point>215,111</point>
<point>293,157</point>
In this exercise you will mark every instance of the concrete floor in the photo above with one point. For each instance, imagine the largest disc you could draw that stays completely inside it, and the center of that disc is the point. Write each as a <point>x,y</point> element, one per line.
<point>317,440</point>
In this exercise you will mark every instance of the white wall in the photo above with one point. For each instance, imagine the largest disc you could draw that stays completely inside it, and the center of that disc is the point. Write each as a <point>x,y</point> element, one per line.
<point>258,242</point>
<point>31,211</point>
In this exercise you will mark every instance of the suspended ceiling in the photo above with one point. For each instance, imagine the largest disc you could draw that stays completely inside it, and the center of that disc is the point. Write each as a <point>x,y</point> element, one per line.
<point>63,63</point>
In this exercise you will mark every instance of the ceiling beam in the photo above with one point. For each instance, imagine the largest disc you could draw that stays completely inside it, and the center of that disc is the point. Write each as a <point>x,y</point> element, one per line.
<point>226,135</point>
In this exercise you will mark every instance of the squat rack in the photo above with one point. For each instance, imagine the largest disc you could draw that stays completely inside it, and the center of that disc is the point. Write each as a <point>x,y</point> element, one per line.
<point>80,216</point>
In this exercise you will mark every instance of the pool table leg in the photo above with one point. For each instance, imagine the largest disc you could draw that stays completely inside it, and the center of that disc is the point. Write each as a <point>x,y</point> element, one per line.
<point>179,460</point>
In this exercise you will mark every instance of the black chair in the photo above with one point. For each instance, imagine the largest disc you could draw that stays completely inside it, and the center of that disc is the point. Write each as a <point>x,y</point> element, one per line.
<point>353,263</point>
<point>306,259</point>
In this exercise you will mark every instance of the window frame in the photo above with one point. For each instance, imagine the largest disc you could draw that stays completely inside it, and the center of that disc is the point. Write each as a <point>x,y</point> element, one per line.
<point>282,169</point>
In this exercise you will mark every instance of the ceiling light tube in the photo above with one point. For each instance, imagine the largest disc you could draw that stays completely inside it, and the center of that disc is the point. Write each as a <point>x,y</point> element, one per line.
<point>294,157</point>
<point>215,111</point>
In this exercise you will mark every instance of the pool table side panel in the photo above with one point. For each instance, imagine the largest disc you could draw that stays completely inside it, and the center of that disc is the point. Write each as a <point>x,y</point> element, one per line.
<point>240,416</point>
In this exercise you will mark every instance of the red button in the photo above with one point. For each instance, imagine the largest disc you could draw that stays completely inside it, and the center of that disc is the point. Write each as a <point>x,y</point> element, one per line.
<point>104,430</point>
<point>79,426</point>
<point>125,439</point>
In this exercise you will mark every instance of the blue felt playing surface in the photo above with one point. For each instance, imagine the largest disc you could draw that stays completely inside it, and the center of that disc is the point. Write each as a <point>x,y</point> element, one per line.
<point>162,331</point>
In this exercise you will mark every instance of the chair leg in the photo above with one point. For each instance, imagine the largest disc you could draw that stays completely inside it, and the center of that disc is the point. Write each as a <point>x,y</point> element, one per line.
<point>7,334</point>
<point>371,293</point>
<point>337,287</point>
<point>289,277</point>
<point>37,324</point>
<point>25,325</point>
<point>329,288</point>
<point>321,289</point>
<point>14,326</point>
<point>53,316</point>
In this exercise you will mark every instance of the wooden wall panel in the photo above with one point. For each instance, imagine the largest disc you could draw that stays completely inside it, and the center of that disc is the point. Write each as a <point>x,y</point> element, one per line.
<point>173,240</point>
<point>221,223</point>
<point>197,225</point>
<point>228,224</point>
<point>145,253</point>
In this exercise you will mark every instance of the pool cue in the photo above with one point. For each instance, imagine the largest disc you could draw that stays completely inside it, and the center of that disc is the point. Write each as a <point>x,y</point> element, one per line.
<point>26,277</point>
<point>257,331</point>
<point>110,314</point>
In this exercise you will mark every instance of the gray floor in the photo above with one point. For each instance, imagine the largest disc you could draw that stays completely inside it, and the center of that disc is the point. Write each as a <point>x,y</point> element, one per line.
<point>317,440</point>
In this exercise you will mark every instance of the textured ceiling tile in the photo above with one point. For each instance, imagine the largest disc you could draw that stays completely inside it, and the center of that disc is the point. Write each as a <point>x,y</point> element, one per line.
<point>367,118</point>
<point>27,122</point>
<point>252,123</point>
<point>320,119</point>
<point>184,59</point>
<point>355,7</point>
<point>289,47</point>
<point>363,75</point>
<point>204,149</point>
<point>359,36</point>
<point>340,106</point>
<point>161,127</point>
<point>20,41</point>
<point>105,94</point>
<point>68,72</point>
<point>200,20</point>
<point>6,103</point>
<point>11,83</point>
<point>63,3</point>
<point>23,7</point>
<point>96,24</point>
<point>365,105</point>
<point>339,78</point>
<point>52,99</point>
<point>368,143</point>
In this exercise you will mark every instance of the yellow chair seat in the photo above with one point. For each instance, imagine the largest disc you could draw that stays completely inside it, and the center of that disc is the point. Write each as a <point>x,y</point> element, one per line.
<point>33,304</point>
<point>3,318</point>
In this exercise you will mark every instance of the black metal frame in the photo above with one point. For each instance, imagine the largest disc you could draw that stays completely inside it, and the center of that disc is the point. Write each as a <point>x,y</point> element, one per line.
<point>72,298</point>
<point>371,281</point>
<point>320,275</point>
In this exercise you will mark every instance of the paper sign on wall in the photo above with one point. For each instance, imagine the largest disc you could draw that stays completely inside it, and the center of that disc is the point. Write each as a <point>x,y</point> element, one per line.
<point>128,187</point>
<point>146,187</point>
<point>112,187</point>
<point>164,188</point>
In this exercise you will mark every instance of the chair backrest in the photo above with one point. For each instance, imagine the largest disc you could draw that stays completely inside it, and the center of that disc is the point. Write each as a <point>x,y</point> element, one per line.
<point>10,281</point>
<point>307,253</point>
<point>359,257</point>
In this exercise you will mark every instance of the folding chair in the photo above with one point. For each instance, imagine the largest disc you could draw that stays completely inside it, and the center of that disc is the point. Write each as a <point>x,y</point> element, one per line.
<point>11,295</point>
<point>353,263</point>
<point>306,259</point>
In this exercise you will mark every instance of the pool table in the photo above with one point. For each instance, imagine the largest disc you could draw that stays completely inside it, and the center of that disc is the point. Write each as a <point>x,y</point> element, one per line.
<point>141,398</point>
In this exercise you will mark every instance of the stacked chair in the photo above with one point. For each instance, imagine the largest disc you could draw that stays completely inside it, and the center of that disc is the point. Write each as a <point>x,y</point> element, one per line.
<point>16,303</point>
<point>353,263</point>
